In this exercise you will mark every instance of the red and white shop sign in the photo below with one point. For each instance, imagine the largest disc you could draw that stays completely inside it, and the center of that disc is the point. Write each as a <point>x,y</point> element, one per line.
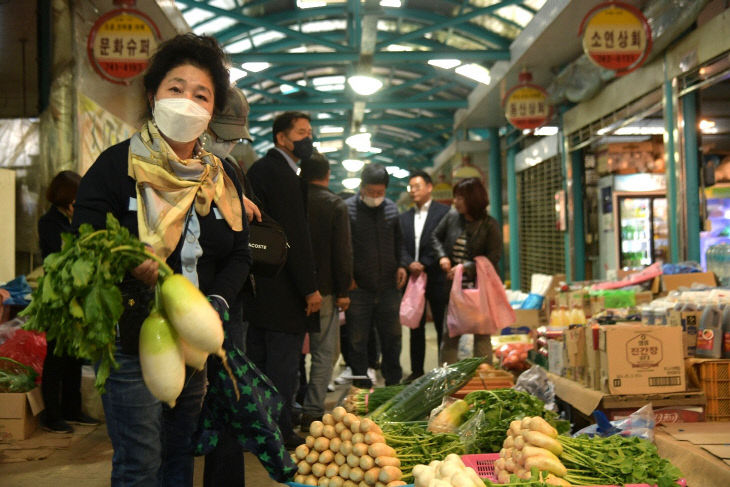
<point>616,36</point>
<point>120,44</point>
<point>526,105</point>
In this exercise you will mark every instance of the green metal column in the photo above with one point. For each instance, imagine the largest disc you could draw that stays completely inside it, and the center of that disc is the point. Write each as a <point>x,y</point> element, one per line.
<point>691,175</point>
<point>579,234</point>
<point>567,167</point>
<point>495,183</point>
<point>671,169</point>
<point>514,222</point>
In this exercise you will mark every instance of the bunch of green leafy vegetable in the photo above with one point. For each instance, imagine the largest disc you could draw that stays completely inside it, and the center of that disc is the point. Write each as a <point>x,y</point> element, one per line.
<point>485,424</point>
<point>616,460</point>
<point>77,302</point>
<point>414,444</point>
<point>15,376</point>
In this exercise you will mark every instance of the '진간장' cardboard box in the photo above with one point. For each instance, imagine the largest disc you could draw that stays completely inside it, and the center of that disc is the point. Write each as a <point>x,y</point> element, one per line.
<point>641,359</point>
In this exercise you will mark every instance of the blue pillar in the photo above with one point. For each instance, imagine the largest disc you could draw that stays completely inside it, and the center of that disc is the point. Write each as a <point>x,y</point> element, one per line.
<point>495,183</point>
<point>579,234</point>
<point>671,167</point>
<point>514,223</point>
<point>691,175</point>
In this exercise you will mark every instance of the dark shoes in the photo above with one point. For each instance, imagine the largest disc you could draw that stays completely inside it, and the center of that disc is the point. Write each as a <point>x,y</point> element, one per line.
<point>56,426</point>
<point>83,419</point>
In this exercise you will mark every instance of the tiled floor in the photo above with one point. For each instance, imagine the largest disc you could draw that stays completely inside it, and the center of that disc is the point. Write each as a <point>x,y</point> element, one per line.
<point>87,461</point>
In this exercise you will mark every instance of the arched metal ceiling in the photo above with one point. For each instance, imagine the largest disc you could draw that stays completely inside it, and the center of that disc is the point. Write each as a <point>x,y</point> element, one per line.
<point>304,50</point>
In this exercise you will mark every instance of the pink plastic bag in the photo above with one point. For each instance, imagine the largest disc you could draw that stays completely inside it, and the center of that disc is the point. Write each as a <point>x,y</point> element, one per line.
<point>483,310</point>
<point>413,304</point>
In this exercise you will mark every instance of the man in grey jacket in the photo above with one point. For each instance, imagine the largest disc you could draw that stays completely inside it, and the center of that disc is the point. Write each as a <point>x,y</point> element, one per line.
<point>329,229</point>
<point>375,299</point>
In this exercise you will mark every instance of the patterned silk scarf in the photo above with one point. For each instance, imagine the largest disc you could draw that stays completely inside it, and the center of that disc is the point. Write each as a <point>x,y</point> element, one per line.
<point>167,187</point>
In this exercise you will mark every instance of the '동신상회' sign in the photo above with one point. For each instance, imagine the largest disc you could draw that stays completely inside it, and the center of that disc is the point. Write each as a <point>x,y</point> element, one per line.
<point>120,44</point>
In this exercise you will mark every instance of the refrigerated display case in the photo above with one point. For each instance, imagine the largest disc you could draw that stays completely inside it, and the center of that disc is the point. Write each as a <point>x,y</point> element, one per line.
<point>642,224</point>
<point>633,230</point>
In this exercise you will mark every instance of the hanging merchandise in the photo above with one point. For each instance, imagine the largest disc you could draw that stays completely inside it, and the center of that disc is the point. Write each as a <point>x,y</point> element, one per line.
<point>121,42</point>
<point>616,36</point>
<point>526,105</point>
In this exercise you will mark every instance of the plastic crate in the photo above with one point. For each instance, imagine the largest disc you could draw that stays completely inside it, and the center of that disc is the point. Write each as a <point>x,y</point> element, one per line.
<point>483,464</point>
<point>715,377</point>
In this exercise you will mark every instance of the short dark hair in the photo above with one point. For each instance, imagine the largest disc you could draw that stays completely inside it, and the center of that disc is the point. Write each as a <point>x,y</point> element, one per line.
<point>285,121</point>
<point>203,52</point>
<point>421,174</point>
<point>475,197</point>
<point>374,174</point>
<point>63,188</point>
<point>315,168</point>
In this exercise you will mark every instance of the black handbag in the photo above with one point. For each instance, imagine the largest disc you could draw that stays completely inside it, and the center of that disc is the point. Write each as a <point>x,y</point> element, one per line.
<point>268,245</point>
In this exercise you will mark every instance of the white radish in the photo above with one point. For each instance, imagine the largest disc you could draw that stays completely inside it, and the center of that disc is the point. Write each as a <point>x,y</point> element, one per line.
<point>194,357</point>
<point>192,315</point>
<point>338,413</point>
<point>161,358</point>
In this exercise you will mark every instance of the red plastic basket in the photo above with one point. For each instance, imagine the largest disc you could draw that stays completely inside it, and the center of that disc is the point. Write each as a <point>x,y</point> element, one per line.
<point>483,464</point>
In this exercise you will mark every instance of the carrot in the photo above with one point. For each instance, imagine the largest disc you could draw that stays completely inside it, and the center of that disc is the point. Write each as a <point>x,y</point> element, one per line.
<point>356,474</point>
<point>380,450</point>
<point>552,465</point>
<point>534,451</point>
<point>371,438</point>
<point>346,447</point>
<point>389,474</point>
<point>387,462</point>
<point>346,434</point>
<point>358,438</point>
<point>335,444</point>
<point>355,426</point>
<point>543,441</point>
<point>312,457</point>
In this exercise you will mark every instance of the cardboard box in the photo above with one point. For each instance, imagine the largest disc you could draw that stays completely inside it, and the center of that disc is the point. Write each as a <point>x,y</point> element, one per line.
<point>19,413</point>
<point>641,359</point>
<point>670,282</point>
<point>575,352</point>
<point>592,374</point>
<point>528,317</point>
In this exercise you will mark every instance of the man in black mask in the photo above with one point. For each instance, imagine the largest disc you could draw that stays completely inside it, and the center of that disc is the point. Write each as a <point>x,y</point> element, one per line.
<point>284,307</point>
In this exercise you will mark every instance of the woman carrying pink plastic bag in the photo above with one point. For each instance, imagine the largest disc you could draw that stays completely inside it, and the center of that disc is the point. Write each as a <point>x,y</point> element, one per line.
<point>464,234</point>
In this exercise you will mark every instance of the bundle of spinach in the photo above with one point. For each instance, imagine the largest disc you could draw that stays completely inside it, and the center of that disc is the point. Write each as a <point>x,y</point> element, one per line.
<point>485,424</point>
<point>616,460</point>
<point>77,302</point>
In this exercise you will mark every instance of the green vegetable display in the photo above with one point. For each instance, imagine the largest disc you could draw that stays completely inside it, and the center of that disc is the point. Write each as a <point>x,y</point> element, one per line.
<point>414,445</point>
<point>77,302</point>
<point>486,423</point>
<point>415,402</point>
<point>363,401</point>
<point>615,460</point>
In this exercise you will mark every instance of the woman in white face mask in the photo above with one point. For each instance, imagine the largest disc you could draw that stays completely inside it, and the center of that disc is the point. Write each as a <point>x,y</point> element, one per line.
<point>180,201</point>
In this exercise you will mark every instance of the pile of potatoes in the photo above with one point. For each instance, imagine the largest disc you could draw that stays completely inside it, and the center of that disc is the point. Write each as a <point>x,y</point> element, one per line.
<point>344,450</point>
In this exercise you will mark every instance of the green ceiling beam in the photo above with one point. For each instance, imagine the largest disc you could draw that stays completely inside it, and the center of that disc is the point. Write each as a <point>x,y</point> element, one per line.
<point>382,57</point>
<point>392,121</point>
<point>509,22</point>
<point>433,91</point>
<point>258,109</point>
<point>260,22</point>
<point>461,19</point>
<point>354,24</point>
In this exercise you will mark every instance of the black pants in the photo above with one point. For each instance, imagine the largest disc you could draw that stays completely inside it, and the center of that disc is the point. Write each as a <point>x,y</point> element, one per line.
<point>61,386</point>
<point>373,347</point>
<point>438,298</point>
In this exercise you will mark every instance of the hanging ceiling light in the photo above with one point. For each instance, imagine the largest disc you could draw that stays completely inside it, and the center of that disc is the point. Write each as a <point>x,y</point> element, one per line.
<point>351,183</point>
<point>364,85</point>
<point>359,141</point>
<point>353,165</point>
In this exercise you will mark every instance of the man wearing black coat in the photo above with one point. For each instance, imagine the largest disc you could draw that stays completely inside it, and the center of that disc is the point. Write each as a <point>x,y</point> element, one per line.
<point>417,225</point>
<point>285,307</point>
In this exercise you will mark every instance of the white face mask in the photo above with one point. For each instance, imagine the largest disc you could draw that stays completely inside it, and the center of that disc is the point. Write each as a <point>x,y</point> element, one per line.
<point>372,202</point>
<point>180,119</point>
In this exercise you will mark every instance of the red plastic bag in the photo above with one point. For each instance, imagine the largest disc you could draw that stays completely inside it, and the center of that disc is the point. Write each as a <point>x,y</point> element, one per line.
<point>27,347</point>
<point>483,310</point>
<point>413,303</point>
